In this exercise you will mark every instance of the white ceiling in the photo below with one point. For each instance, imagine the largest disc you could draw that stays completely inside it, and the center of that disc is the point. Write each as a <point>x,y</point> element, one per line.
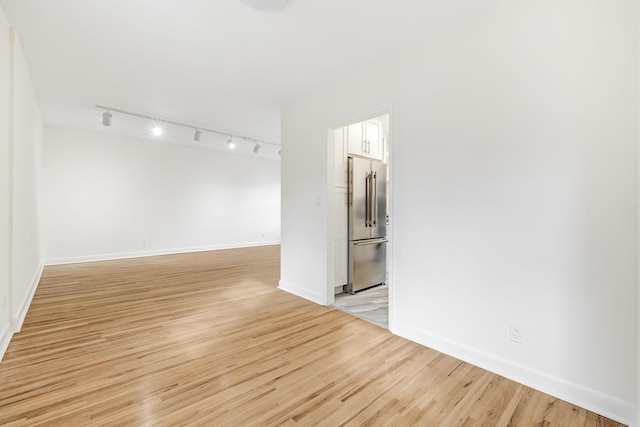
<point>212,63</point>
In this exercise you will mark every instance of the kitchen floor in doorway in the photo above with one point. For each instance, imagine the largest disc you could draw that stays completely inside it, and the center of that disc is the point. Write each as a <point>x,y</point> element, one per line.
<point>369,304</point>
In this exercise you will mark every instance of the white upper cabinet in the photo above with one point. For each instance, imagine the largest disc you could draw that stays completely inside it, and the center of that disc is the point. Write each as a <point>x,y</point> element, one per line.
<point>375,141</point>
<point>365,139</point>
<point>356,142</point>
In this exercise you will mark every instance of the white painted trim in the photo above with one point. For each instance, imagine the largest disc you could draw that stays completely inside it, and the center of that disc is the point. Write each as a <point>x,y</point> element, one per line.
<point>361,115</point>
<point>5,339</point>
<point>329,165</point>
<point>301,292</point>
<point>576,394</point>
<point>11,172</point>
<point>329,262</point>
<point>125,255</point>
<point>24,307</point>
<point>637,415</point>
<point>15,324</point>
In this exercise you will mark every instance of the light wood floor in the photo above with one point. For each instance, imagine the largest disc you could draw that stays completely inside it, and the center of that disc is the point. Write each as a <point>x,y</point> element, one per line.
<point>207,339</point>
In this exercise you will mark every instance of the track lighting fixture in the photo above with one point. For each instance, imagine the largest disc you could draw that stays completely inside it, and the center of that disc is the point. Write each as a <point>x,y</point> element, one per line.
<point>159,125</point>
<point>106,118</point>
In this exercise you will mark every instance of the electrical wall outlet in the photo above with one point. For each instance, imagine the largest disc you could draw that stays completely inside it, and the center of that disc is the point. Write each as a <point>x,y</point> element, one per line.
<point>516,334</point>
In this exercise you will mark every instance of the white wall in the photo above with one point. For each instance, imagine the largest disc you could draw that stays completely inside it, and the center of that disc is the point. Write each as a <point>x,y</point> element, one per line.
<point>109,197</point>
<point>27,142</point>
<point>514,181</point>
<point>5,135</point>
<point>20,142</point>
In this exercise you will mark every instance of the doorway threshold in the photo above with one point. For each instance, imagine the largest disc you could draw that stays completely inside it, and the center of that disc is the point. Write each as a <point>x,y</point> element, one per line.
<point>370,304</point>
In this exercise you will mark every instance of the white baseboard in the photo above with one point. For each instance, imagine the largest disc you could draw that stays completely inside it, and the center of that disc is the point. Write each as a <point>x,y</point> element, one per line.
<point>576,394</point>
<point>140,254</point>
<point>15,324</point>
<point>18,320</point>
<point>318,298</point>
<point>5,338</point>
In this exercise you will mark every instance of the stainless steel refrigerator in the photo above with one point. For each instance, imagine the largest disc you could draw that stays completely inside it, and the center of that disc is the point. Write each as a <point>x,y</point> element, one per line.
<point>367,207</point>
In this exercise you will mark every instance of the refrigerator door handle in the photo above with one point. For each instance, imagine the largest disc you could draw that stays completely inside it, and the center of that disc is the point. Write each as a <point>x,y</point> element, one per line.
<point>374,199</point>
<point>350,179</point>
<point>367,204</point>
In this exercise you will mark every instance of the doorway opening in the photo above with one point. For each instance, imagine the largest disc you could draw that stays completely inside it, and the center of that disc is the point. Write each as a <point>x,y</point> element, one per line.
<point>358,244</point>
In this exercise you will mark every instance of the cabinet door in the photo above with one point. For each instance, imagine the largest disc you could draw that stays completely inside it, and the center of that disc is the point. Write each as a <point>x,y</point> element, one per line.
<point>374,139</point>
<point>340,171</point>
<point>356,143</point>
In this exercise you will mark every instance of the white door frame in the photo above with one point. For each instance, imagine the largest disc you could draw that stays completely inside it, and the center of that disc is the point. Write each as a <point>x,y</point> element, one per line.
<point>330,168</point>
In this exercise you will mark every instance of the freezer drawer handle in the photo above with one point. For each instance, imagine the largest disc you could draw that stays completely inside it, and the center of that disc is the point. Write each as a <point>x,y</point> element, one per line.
<point>371,242</point>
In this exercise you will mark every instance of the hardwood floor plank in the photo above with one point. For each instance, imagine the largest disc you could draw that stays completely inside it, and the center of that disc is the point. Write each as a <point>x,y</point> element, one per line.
<point>207,339</point>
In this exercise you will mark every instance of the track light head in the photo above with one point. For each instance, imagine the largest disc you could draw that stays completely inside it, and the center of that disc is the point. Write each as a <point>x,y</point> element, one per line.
<point>231,144</point>
<point>106,118</point>
<point>256,148</point>
<point>196,135</point>
<point>157,130</point>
